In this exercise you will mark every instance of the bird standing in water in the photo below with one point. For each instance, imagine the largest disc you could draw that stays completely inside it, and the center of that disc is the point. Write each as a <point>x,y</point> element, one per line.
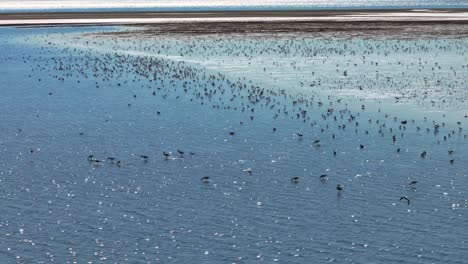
<point>205,179</point>
<point>181,153</point>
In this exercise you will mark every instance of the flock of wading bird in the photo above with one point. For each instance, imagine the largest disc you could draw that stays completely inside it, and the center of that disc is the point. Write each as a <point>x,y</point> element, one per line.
<point>165,77</point>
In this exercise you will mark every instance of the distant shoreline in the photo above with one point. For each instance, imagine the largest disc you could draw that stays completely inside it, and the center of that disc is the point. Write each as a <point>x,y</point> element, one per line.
<point>137,17</point>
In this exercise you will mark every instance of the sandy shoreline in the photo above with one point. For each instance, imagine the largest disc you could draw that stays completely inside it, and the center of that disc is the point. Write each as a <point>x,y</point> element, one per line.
<point>126,18</point>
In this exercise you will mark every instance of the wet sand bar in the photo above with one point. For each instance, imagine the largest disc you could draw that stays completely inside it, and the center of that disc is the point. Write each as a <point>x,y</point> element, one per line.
<point>364,15</point>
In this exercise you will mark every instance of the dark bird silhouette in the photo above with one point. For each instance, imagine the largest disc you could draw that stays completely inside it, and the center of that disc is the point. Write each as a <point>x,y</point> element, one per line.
<point>323,177</point>
<point>339,187</point>
<point>405,198</point>
<point>166,155</point>
<point>144,157</point>
<point>232,133</point>
<point>295,179</point>
<point>181,153</point>
<point>205,179</point>
<point>423,154</point>
<point>96,162</point>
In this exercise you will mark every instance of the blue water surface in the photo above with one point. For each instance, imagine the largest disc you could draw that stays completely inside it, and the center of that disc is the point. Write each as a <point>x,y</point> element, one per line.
<point>68,93</point>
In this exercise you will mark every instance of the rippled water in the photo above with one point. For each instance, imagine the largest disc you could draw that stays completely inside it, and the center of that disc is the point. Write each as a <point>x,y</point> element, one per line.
<point>68,93</point>
<point>8,5</point>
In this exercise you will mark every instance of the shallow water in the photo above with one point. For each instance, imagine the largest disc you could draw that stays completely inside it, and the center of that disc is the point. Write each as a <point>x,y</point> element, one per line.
<point>57,206</point>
